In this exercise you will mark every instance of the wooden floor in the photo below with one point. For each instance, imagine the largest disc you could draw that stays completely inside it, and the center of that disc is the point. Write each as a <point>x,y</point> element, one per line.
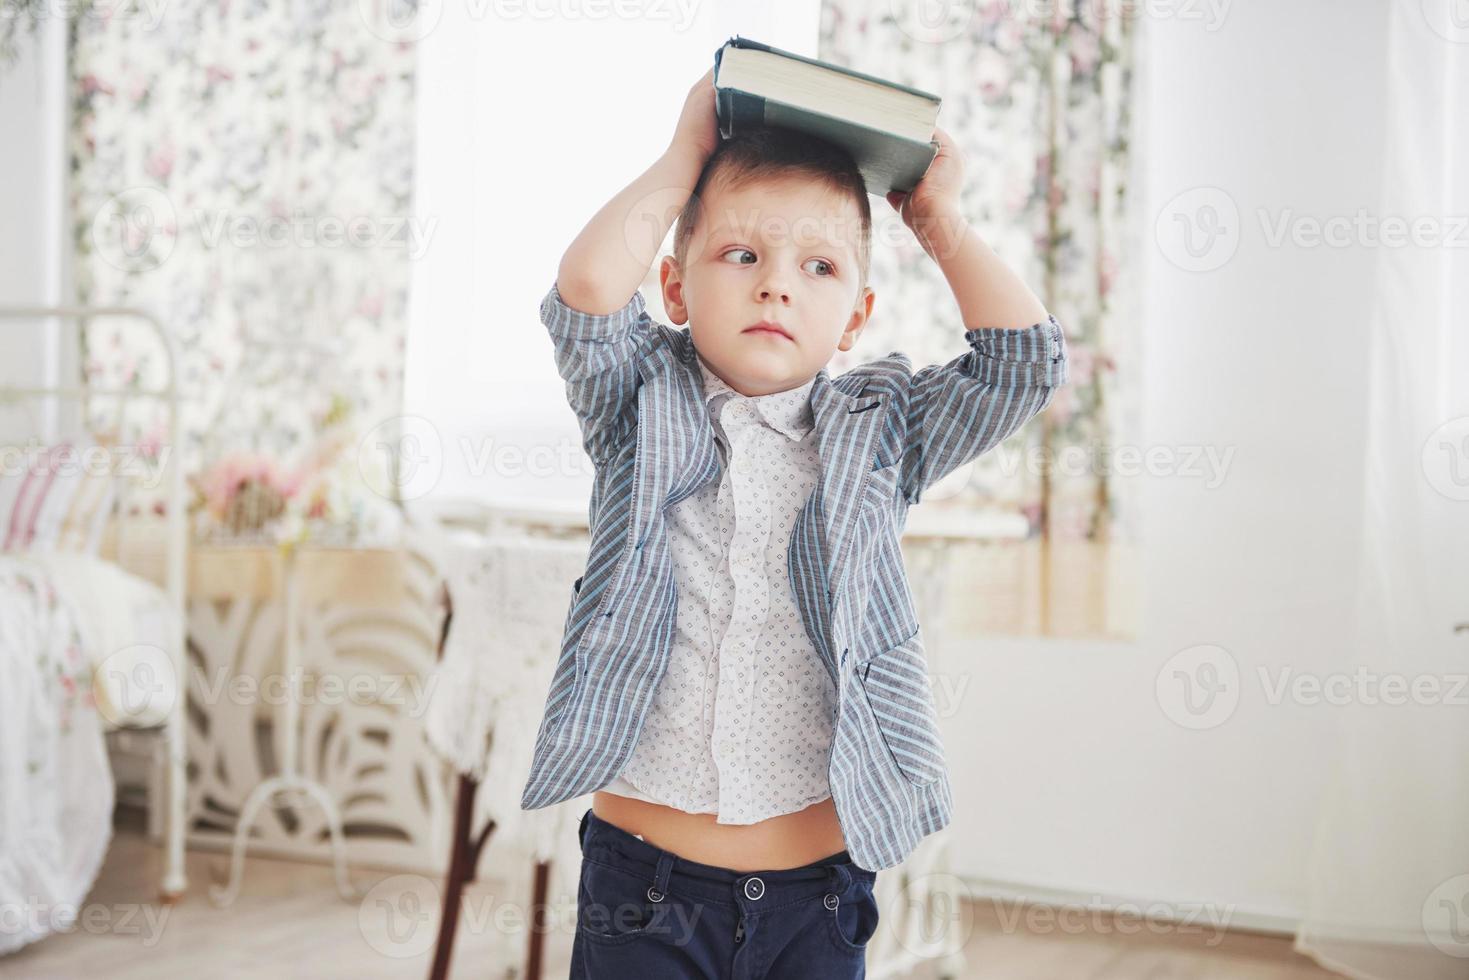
<point>289,922</point>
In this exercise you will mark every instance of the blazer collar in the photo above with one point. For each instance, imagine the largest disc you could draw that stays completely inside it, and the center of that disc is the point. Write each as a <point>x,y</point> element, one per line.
<point>788,412</point>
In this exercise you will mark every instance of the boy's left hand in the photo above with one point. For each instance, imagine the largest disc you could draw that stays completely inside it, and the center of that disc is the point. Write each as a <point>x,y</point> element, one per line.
<point>937,194</point>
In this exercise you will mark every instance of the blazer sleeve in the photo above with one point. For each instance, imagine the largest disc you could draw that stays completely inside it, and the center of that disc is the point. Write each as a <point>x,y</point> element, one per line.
<point>597,355</point>
<point>960,410</point>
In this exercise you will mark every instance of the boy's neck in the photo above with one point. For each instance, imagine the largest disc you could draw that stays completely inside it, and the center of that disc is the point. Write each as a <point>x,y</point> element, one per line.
<point>710,368</point>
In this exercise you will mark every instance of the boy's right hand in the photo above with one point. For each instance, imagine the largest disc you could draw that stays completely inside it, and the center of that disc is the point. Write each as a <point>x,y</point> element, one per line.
<point>698,127</point>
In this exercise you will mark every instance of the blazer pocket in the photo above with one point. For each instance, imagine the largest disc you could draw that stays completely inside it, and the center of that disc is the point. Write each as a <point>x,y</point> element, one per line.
<point>897,689</point>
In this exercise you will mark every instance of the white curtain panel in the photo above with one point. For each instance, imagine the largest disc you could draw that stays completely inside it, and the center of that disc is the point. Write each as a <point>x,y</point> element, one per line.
<point>1389,878</point>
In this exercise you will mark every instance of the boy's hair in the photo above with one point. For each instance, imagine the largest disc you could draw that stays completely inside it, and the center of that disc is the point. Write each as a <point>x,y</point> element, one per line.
<point>764,152</point>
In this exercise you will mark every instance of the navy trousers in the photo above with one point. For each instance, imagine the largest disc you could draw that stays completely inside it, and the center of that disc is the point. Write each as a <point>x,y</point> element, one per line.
<point>643,913</point>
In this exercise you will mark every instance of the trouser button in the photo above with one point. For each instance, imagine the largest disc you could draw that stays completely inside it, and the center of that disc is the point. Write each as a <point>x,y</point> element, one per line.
<point>754,888</point>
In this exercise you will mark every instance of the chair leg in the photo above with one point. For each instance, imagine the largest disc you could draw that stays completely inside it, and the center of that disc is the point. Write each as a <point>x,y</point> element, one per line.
<point>536,952</point>
<point>462,861</point>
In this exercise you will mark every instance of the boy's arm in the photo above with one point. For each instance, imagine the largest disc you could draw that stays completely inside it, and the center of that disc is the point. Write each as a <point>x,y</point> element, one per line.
<point>594,311</point>
<point>1017,358</point>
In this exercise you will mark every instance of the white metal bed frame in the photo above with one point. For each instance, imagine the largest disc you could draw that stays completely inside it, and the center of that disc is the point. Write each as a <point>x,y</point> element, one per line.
<point>174,881</point>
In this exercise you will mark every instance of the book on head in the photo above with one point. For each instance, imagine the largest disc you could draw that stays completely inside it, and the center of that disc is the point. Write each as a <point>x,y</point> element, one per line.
<point>886,126</point>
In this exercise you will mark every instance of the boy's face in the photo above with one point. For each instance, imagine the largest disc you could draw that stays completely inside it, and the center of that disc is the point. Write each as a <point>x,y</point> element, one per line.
<point>781,250</point>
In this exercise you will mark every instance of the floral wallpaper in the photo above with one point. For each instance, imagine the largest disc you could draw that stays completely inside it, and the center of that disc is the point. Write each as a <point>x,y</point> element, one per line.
<point>244,169</point>
<point>1037,96</point>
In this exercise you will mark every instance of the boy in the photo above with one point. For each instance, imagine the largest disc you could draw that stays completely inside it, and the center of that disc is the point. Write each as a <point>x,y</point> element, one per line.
<point>742,684</point>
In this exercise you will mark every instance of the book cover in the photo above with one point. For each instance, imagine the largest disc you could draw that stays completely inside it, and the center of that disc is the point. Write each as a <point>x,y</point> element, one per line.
<point>887,160</point>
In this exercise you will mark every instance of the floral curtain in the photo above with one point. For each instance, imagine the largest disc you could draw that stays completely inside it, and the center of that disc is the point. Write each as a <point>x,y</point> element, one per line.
<point>1038,96</point>
<point>244,170</point>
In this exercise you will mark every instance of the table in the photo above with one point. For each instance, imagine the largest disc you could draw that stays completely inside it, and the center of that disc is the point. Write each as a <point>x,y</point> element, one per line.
<point>300,575</point>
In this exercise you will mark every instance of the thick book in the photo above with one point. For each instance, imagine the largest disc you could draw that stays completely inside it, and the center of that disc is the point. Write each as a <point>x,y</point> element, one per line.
<point>886,126</point>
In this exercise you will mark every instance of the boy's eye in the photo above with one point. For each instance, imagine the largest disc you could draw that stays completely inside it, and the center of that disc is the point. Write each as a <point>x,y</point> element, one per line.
<point>830,269</point>
<point>739,251</point>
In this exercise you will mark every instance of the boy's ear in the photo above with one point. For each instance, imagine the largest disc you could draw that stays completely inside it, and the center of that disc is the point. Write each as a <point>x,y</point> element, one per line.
<point>670,278</point>
<point>860,315</point>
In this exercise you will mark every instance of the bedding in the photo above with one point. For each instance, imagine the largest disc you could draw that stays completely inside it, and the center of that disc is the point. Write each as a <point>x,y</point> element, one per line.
<point>61,617</point>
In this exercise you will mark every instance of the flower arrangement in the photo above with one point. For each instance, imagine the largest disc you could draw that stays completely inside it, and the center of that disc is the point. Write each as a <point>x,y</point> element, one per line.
<point>244,492</point>
<point>248,495</point>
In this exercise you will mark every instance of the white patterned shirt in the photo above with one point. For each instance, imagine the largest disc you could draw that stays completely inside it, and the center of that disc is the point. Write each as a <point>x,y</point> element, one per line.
<point>741,724</point>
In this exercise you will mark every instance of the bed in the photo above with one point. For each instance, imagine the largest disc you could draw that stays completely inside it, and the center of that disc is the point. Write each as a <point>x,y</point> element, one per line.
<point>92,616</point>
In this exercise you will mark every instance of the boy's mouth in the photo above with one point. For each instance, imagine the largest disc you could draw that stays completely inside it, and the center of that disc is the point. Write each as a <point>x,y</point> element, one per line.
<point>769,327</point>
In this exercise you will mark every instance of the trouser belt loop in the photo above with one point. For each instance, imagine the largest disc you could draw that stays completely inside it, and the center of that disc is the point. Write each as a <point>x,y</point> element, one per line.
<point>581,830</point>
<point>661,875</point>
<point>840,877</point>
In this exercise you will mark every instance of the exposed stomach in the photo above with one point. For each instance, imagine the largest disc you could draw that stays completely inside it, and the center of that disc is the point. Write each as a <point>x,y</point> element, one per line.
<point>787,841</point>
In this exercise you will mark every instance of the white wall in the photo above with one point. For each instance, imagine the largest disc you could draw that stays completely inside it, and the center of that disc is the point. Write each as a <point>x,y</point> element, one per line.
<point>1068,773</point>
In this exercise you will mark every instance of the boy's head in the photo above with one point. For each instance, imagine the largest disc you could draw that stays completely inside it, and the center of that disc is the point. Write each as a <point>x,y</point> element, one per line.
<point>778,228</point>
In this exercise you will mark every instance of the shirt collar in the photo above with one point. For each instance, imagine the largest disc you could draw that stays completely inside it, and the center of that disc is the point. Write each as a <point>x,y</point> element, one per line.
<point>788,412</point>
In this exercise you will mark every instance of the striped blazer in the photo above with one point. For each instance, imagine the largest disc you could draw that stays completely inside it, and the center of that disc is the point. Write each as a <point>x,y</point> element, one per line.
<point>884,434</point>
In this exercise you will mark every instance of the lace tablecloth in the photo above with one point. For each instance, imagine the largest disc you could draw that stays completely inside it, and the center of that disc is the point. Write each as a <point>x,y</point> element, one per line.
<point>510,597</point>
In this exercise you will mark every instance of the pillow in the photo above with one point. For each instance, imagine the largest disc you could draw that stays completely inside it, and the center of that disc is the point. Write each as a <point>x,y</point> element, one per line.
<point>56,502</point>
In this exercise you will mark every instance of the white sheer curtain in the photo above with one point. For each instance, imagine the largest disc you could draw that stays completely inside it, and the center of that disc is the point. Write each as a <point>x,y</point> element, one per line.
<point>1389,880</point>
<point>528,122</point>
